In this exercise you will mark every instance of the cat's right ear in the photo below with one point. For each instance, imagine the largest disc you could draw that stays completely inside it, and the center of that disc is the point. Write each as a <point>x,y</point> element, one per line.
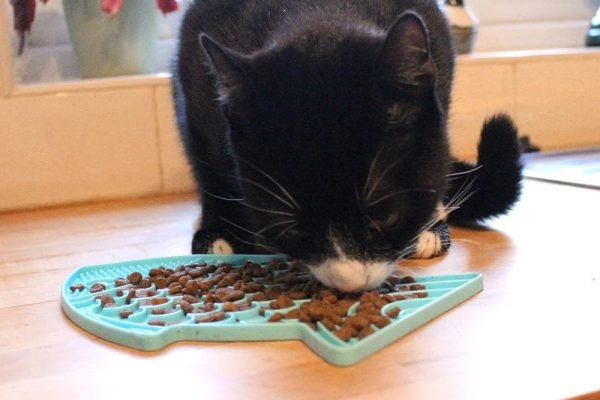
<point>229,67</point>
<point>405,59</point>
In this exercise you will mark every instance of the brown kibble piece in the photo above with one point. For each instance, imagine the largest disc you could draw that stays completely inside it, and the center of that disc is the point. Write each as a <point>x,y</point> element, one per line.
<point>186,307</point>
<point>105,299</point>
<point>328,323</point>
<point>161,282</point>
<point>135,277</point>
<point>272,293</point>
<point>282,301</point>
<point>158,300</point>
<point>231,295</point>
<point>156,322</point>
<point>155,272</point>
<point>228,306</point>
<point>125,313</point>
<point>175,289</point>
<point>393,312</point>
<point>357,322</point>
<point>77,287</point>
<point>417,286</point>
<point>144,283</point>
<point>344,333</point>
<point>365,332</point>
<point>130,295</point>
<point>379,321</point>
<point>407,279</point>
<point>214,317</point>
<point>275,317</point>
<point>120,282</point>
<point>97,287</point>
<point>259,296</point>
<point>297,294</point>
<point>190,299</point>
<point>191,287</point>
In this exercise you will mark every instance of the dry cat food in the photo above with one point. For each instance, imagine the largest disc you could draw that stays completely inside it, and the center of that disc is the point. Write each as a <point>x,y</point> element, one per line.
<point>228,298</point>
<point>286,291</point>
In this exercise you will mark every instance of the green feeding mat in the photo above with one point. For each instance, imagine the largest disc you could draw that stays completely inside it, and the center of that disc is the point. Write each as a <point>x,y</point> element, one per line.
<point>155,317</point>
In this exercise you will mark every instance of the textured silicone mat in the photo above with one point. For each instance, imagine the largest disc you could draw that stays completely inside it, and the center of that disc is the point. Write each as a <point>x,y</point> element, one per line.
<point>85,310</point>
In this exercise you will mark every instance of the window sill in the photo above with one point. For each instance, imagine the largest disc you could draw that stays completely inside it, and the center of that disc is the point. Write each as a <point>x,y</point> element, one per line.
<point>104,138</point>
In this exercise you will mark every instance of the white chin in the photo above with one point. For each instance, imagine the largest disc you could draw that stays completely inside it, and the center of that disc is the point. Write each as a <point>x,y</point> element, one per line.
<point>351,275</point>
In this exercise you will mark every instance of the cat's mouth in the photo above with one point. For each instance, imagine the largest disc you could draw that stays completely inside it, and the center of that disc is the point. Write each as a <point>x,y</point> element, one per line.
<point>350,275</point>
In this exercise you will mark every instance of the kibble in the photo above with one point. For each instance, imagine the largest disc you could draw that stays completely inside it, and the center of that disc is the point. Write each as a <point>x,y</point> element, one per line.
<point>276,317</point>
<point>185,307</point>
<point>278,285</point>
<point>105,299</point>
<point>213,317</point>
<point>134,277</point>
<point>155,301</point>
<point>77,287</point>
<point>121,282</point>
<point>393,312</point>
<point>97,287</point>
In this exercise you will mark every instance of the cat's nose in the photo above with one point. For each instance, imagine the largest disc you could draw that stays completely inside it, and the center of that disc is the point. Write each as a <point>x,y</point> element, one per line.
<point>349,275</point>
<point>344,275</point>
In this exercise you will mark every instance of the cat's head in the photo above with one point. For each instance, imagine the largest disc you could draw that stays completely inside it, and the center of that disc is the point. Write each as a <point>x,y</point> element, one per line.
<point>341,144</point>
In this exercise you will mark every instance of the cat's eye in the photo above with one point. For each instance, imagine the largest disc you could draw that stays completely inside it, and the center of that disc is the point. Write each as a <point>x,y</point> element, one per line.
<point>386,222</point>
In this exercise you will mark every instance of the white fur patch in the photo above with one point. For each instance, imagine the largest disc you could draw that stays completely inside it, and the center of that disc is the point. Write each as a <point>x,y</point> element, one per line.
<point>351,275</point>
<point>220,246</point>
<point>441,212</point>
<point>429,245</point>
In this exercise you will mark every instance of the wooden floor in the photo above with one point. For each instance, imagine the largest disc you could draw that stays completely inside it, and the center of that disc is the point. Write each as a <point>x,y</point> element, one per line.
<point>534,332</point>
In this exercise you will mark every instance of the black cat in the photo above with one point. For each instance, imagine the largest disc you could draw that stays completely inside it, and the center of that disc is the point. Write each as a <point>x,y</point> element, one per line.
<point>318,128</point>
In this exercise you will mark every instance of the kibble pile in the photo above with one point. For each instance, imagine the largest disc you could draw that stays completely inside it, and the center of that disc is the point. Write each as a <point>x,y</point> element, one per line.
<point>285,290</point>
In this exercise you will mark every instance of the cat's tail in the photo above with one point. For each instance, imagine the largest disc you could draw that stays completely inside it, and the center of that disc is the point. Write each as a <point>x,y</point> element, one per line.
<point>492,186</point>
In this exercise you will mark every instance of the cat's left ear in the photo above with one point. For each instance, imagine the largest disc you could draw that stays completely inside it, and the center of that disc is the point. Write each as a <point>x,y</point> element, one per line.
<point>405,58</point>
<point>229,67</point>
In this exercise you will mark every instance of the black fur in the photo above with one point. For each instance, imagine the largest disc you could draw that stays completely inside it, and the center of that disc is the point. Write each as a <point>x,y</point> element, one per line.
<point>495,178</point>
<point>329,114</point>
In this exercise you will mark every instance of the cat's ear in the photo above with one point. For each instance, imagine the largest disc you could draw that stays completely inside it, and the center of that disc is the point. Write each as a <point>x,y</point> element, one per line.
<point>229,67</point>
<point>405,58</point>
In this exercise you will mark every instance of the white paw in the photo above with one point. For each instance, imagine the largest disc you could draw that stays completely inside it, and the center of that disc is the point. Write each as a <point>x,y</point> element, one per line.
<point>220,246</point>
<point>429,245</point>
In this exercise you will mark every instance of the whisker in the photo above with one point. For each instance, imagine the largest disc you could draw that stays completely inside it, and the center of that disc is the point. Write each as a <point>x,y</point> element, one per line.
<point>258,185</point>
<point>284,231</point>
<point>220,197</point>
<point>371,168</point>
<point>239,227</point>
<point>270,177</point>
<point>378,181</point>
<point>465,172</point>
<point>398,192</point>
<point>271,249</point>
<point>276,212</point>
<point>286,222</point>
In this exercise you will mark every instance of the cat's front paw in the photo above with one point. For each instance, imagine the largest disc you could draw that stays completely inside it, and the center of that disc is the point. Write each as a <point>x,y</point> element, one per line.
<point>213,242</point>
<point>432,243</point>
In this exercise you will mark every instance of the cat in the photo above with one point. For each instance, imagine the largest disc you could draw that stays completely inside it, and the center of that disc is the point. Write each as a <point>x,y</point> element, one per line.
<point>318,129</point>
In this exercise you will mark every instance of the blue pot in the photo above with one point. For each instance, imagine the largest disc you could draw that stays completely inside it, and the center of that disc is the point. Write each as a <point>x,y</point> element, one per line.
<point>125,44</point>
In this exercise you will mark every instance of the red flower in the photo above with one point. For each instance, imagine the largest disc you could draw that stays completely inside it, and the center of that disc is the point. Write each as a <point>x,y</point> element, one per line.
<point>167,6</point>
<point>24,13</point>
<point>111,7</point>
